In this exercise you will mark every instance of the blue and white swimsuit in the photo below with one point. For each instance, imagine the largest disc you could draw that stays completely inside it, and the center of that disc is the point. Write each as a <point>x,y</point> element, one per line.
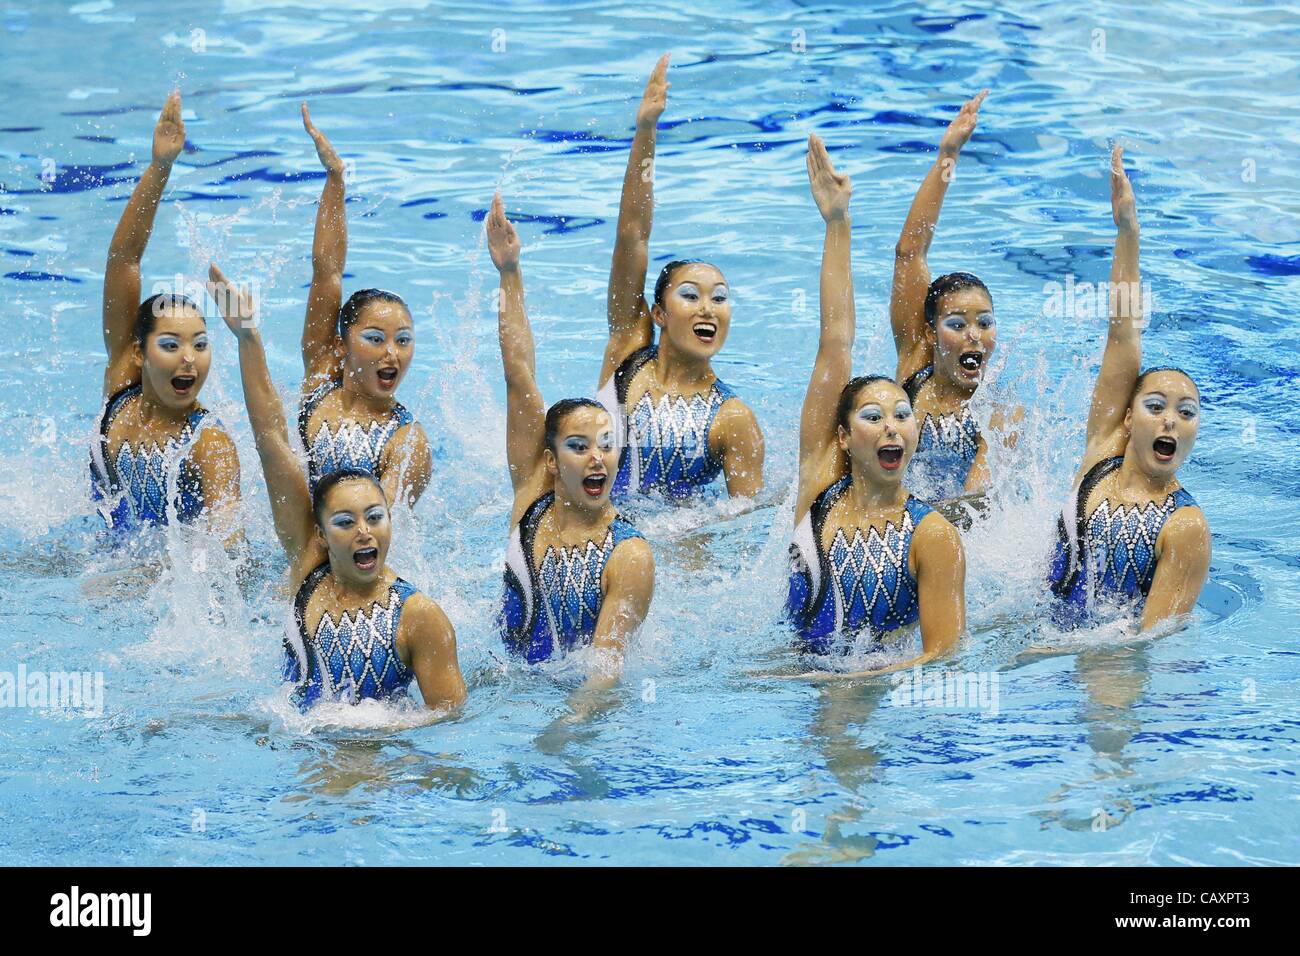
<point>1109,556</point>
<point>946,449</point>
<point>860,584</point>
<point>353,445</point>
<point>139,484</point>
<point>665,443</point>
<point>352,659</point>
<point>547,611</point>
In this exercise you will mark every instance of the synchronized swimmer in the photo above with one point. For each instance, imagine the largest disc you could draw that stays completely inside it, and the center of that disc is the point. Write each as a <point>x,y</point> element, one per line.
<point>159,456</point>
<point>875,567</point>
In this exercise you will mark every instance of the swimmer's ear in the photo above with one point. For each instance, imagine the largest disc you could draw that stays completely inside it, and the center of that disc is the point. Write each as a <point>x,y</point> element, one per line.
<point>137,354</point>
<point>842,437</point>
<point>552,466</point>
<point>657,315</point>
<point>1128,419</point>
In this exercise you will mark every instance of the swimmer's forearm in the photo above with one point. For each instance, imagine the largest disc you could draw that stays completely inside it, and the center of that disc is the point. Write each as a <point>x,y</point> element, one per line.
<point>265,413</point>
<point>329,251</point>
<point>136,225</point>
<point>838,319</point>
<point>636,208</point>
<point>923,215</point>
<point>518,352</point>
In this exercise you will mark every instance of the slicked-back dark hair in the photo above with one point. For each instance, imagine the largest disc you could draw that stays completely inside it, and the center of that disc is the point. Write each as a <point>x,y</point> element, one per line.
<point>333,478</point>
<point>146,317</point>
<point>666,276</point>
<point>1137,386</point>
<point>849,395</point>
<point>357,302</point>
<point>556,413</point>
<point>952,282</point>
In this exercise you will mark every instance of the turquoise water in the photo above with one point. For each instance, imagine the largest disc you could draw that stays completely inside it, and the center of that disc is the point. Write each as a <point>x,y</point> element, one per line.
<point>1179,750</point>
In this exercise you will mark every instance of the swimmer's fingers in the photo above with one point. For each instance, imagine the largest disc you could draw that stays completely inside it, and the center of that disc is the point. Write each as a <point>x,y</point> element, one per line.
<point>831,190</point>
<point>655,98</point>
<point>234,302</point>
<point>503,241</point>
<point>324,149</point>
<point>1122,204</point>
<point>169,133</point>
<point>962,126</point>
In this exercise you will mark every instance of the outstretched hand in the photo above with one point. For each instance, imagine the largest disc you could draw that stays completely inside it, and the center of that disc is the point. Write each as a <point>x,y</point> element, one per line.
<point>831,190</point>
<point>655,97</point>
<point>962,126</point>
<point>503,241</point>
<point>1122,204</point>
<point>169,133</point>
<point>328,157</point>
<point>235,302</point>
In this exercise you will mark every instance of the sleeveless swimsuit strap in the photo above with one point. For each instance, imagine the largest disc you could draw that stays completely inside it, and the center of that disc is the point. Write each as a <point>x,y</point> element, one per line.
<point>1072,533</point>
<point>821,509</point>
<point>300,601</point>
<point>914,381</point>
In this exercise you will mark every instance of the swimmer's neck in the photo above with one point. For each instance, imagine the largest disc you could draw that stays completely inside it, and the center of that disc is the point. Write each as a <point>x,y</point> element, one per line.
<point>155,412</point>
<point>356,593</point>
<point>678,372</point>
<point>352,398</point>
<point>870,497</point>
<point>570,517</point>
<point>944,391</point>
<point>1132,482</point>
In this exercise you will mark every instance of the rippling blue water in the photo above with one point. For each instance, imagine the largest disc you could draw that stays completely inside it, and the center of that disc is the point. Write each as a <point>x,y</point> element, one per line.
<point>1178,750</point>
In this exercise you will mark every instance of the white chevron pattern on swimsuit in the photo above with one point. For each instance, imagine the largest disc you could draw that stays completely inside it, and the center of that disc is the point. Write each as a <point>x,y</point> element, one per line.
<point>960,433</point>
<point>672,430</point>
<point>354,640</point>
<point>1124,538</point>
<point>570,580</point>
<point>352,443</point>
<point>875,567</point>
<point>142,472</point>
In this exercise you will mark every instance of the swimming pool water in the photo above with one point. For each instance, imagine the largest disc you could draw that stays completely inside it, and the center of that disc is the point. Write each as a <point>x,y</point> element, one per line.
<point>1178,750</point>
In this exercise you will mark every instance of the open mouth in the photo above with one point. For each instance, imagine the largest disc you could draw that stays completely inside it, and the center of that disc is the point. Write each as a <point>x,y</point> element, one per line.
<point>891,457</point>
<point>181,384</point>
<point>971,361</point>
<point>387,377</point>
<point>706,332</point>
<point>594,485</point>
<point>366,558</point>
<point>1164,447</point>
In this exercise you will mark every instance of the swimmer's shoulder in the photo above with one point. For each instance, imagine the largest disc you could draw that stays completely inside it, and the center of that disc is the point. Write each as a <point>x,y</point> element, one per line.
<point>1186,529</point>
<point>424,620</point>
<point>734,420</point>
<point>630,566</point>
<point>935,538</point>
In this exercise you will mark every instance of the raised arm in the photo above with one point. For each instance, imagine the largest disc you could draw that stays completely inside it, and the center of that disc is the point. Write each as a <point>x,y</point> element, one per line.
<point>1122,360</point>
<point>834,363</point>
<point>321,348</point>
<point>122,270</point>
<point>525,411</point>
<point>286,485</point>
<point>630,327</point>
<point>911,268</point>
